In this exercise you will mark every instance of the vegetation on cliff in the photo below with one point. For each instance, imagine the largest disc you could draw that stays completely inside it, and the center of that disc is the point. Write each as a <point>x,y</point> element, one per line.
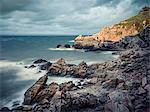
<point>128,27</point>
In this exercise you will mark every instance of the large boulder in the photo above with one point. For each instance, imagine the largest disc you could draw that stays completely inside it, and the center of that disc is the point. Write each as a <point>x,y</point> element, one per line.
<point>31,93</point>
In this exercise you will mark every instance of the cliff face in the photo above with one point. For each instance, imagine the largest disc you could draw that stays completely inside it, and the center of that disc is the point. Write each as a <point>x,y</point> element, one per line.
<point>129,27</point>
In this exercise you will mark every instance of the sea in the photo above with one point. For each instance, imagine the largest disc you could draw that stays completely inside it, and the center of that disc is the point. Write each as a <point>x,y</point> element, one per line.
<point>16,52</point>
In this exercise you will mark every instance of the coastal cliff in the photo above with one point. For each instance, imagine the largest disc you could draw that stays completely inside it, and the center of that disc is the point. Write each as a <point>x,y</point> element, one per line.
<point>122,85</point>
<point>128,27</point>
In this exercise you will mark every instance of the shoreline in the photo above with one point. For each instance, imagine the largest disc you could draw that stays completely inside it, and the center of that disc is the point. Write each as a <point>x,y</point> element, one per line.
<point>119,85</point>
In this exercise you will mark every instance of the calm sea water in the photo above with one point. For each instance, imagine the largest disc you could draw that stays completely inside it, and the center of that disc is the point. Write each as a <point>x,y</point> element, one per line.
<point>18,51</point>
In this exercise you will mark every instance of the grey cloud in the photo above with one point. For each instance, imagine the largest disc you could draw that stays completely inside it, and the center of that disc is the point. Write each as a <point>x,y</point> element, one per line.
<point>64,16</point>
<point>13,5</point>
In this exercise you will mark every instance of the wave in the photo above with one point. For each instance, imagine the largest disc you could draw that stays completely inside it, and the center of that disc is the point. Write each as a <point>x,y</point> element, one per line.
<point>71,41</point>
<point>65,49</point>
<point>22,72</point>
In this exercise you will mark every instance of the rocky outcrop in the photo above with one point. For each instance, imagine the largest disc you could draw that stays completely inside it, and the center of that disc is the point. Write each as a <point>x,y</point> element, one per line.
<point>32,92</point>
<point>122,85</point>
<point>129,27</point>
<point>60,68</point>
<point>63,46</point>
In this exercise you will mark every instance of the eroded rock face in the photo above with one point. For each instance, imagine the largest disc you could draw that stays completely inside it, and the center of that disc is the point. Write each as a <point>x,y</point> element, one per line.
<point>129,27</point>
<point>47,93</point>
<point>122,85</point>
<point>31,93</point>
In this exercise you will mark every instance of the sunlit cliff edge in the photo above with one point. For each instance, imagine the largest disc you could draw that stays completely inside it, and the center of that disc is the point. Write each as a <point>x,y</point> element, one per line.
<point>116,32</point>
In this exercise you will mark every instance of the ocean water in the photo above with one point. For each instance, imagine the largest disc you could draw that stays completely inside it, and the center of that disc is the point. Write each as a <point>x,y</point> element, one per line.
<point>18,51</point>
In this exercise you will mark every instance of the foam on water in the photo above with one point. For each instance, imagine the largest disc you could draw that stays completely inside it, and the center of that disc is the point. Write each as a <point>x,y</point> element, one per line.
<point>65,49</point>
<point>23,74</point>
<point>71,41</point>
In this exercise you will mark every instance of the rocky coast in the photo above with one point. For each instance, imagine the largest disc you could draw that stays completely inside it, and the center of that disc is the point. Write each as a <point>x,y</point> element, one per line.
<point>121,85</point>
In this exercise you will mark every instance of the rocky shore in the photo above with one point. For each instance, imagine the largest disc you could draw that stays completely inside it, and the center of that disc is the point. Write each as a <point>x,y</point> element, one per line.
<point>122,85</point>
<point>108,36</point>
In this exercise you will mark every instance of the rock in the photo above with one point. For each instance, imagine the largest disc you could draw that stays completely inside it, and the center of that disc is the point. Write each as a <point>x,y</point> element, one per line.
<point>141,90</point>
<point>32,66</point>
<point>59,46</point>
<point>5,109</point>
<point>94,80</point>
<point>22,109</point>
<point>55,69</point>
<point>103,98</point>
<point>61,62</point>
<point>47,93</point>
<point>15,103</point>
<point>84,101</point>
<point>147,87</point>
<point>66,86</point>
<point>67,46</point>
<point>30,94</point>
<point>45,66</point>
<point>39,61</point>
<point>144,81</point>
<point>81,70</point>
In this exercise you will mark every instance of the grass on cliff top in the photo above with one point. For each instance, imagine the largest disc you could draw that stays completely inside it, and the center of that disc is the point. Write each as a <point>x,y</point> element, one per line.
<point>143,15</point>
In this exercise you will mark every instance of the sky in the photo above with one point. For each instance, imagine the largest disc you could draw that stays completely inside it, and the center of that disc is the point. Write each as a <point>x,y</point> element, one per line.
<point>63,17</point>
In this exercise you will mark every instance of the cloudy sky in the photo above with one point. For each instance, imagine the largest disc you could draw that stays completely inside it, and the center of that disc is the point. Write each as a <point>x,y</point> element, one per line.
<point>52,17</point>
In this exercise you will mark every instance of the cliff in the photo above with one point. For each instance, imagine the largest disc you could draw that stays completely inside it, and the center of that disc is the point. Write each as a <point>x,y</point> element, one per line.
<point>128,27</point>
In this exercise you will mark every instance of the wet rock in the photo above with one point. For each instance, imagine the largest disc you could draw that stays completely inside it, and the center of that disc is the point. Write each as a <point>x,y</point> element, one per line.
<point>55,69</point>
<point>32,66</point>
<point>39,61</point>
<point>81,70</point>
<point>59,46</point>
<point>47,93</point>
<point>5,109</point>
<point>61,62</point>
<point>66,86</point>
<point>30,94</point>
<point>67,46</point>
<point>22,109</point>
<point>45,66</point>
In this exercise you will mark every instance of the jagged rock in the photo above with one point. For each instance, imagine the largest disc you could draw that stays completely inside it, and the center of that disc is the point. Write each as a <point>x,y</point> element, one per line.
<point>84,101</point>
<point>66,86</point>
<point>39,61</point>
<point>31,93</point>
<point>61,62</point>
<point>22,109</point>
<point>5,109</point>
<point>32,66</point>
<point>47,93</point>
<point>45,66</point>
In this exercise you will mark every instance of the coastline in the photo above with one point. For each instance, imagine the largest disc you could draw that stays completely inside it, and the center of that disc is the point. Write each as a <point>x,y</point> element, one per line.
<point>119,85</point>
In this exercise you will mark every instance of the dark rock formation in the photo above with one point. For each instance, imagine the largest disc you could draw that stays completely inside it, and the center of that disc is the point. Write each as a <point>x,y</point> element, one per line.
<point>39,61</point>
<point>31,93</point>
<point>45,66</point>
<point>122,85</point>
<point>63,46</point>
